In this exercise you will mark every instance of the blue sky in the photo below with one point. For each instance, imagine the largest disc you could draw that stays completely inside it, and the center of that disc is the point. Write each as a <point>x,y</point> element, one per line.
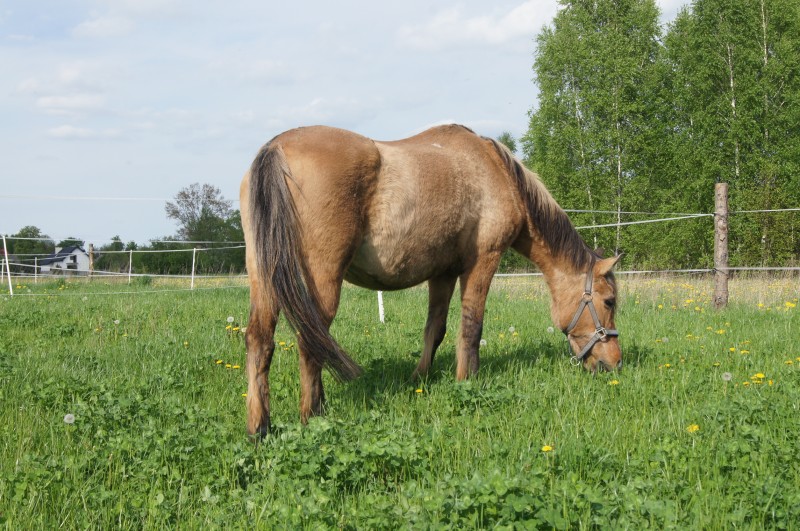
<point>132,100</point>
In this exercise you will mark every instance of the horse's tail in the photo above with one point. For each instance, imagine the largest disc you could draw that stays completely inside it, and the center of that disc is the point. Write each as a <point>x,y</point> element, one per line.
<point>281,263</point>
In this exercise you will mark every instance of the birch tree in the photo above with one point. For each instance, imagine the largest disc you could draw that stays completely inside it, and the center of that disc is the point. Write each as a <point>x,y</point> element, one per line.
<point>592,66</point>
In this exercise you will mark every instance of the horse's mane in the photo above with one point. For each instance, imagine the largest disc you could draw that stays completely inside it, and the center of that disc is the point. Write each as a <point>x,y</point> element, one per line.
<point>546,218</point>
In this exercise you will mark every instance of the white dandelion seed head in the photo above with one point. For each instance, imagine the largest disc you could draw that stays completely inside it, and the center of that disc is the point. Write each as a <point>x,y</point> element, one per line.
<point>550,329</point>
<point>230,318</point>
<point>665,340</point>
<point>116,321</point>
<point>85,299</point>
<point>727,376</point>
<point>483,342</point>
<point>511,329</point>
<point>69,418</point>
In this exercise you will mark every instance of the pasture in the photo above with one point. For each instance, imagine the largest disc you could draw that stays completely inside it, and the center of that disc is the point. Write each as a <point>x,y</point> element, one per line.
<point>126,411</point>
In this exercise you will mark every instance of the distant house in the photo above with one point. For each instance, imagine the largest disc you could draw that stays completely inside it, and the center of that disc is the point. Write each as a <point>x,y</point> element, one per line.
<point>71,260</point>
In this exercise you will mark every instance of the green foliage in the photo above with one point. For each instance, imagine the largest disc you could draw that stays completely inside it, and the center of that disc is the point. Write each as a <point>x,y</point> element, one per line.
<point>23,251</point>
<point>508,140</point>
<point>628,121</point>
<point>154,383</point>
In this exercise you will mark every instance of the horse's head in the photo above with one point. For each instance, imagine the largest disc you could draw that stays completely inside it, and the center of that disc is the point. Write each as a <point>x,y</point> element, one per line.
<point>585,313</point>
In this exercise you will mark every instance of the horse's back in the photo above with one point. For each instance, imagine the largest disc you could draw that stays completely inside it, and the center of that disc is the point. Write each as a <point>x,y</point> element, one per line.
<point>397,213</point>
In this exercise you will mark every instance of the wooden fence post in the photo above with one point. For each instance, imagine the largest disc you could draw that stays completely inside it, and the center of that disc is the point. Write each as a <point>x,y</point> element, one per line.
<point>91,260</point>
<point>720,245</point>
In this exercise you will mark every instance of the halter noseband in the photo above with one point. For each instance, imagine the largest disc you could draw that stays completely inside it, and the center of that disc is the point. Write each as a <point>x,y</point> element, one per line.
<point>600,332</point>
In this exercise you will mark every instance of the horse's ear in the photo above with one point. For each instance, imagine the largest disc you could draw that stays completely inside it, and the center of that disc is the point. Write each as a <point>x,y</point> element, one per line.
<point>607,264</point>
<point>600,252</point>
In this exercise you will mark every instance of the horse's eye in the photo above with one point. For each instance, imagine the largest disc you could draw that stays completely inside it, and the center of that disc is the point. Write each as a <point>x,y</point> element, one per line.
<point>610,303</point>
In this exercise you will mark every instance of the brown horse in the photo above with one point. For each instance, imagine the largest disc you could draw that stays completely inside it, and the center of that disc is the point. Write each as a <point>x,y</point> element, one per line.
<point>323,205</point>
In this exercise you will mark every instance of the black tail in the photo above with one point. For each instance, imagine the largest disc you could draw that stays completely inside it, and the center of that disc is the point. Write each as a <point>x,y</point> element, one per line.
<point>282,265</point>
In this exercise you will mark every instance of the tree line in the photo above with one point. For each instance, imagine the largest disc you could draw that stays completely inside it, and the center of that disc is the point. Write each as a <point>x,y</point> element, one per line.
<point>633,117</point>
<point>205,219</point>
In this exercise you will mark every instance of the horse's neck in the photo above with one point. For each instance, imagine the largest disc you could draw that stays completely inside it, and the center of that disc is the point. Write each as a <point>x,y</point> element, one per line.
<point>558,271</point>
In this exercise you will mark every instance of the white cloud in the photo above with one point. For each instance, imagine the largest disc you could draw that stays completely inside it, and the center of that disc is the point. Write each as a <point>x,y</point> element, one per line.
<point>72,88</point>
<point>69,132</point>
<point>118,18</point>
<point>105,26</point>
<point>452,26</point>
<point>70,103</point>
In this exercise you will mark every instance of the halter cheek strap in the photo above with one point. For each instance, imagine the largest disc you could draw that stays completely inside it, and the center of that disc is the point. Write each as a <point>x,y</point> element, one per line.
<point>600,332</point>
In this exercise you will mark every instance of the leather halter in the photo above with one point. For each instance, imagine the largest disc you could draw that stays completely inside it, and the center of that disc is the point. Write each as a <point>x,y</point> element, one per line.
<point>600,331</point>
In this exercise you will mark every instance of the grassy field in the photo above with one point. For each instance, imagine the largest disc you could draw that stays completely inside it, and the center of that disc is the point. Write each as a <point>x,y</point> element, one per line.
<point>127,411</point>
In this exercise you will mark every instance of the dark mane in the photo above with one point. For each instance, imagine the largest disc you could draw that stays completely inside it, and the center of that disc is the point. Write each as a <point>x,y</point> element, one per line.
<point>543,211</point>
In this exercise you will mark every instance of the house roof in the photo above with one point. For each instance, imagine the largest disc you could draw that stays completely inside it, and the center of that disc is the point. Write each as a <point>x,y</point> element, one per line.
<point>61,255</point>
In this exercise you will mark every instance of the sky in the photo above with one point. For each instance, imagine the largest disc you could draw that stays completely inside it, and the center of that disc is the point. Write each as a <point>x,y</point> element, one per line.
<point>110,107</point>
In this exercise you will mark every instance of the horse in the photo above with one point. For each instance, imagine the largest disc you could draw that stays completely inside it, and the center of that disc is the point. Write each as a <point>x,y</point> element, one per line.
<point>322,205</point>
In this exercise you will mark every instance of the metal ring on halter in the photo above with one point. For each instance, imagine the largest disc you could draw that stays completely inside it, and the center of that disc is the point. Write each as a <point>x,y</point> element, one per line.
<point>574,361</point>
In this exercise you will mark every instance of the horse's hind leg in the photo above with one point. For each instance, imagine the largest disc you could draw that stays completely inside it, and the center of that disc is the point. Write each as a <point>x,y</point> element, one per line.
<point>440,291</point>
<point>474,289</point>
<point>312,395</point>
<point>260,347</point>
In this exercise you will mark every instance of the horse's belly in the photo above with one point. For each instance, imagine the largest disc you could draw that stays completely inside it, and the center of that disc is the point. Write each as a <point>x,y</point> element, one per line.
<point>392,266</point>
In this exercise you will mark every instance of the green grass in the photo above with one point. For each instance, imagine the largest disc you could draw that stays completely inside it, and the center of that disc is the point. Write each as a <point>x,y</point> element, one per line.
<point>159,441</point>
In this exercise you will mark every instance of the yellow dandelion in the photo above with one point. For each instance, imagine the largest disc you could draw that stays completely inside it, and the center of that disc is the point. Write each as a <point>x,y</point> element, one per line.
<point>721,331</point>
<point>186,344</point>
<point>744,352</point>
<point>235,328</point>
<point>732,349</point>
<point>788,362</point>
<point>236,367</point>
<point>758,376</point>
<point>770,382</point>
<point>228,327</point>
<point>418,391</point>
<point>692,428</point>
<point>547,448</point>
<point>760,305</point>
<point>660,306</point>
<point>218,362</point>
<point>667,365</point>
<point>282,343</point>
<point>716,364</point>
<point>789,304</point>
<point>244,395</point>
<point>745,384</point>
<point>227,365</point>
<point>613,382</point>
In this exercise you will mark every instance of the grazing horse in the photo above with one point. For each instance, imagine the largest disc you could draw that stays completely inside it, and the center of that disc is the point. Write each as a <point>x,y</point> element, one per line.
<point>323,205</point>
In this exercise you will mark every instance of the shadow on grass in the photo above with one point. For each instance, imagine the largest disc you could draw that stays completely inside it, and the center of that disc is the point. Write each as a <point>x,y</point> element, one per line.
<point>386,377</point>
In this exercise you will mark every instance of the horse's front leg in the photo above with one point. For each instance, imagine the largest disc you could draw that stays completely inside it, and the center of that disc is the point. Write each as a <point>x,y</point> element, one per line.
<point>474,290</point>
<point>260,348</point>
<point>440,291</point>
